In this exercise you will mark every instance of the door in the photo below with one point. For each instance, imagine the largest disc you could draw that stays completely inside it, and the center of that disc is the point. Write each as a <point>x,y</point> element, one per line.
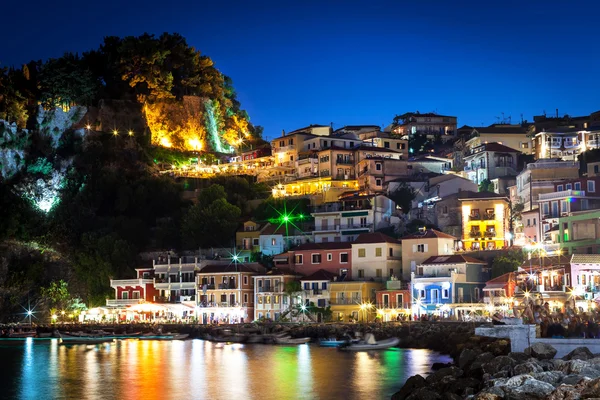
<point>435,296</point>
<point>125,295</point>
<point>232,300</point>
<point>386,300</point>
<point>325,224</point>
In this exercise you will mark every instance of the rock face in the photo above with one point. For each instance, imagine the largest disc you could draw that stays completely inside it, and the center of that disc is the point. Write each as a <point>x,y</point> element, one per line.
<point>541,351</point>
<point>516,376</point>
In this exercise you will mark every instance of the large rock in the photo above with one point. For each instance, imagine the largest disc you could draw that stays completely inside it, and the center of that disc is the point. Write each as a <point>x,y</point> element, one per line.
<point>518,356</point>
<point>490,394</point>
<point>532,389</point>
<point>516,381</point>
<point>424,394</point>
<point>466,358</point>
<point>527,368</point>
<point>413,383</point>
<point>551,377</point>
<point>564,392</point>
<point>591,389</point>
<point>580,353</point>
<point>575,366</point>
<point>542,351</point>
<point>440,374</point>
<point>573,379</point>
<point>500,363</point>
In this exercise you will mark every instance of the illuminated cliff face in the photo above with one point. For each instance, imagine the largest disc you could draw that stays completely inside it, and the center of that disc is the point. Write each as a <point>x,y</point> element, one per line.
<point>194,124</point>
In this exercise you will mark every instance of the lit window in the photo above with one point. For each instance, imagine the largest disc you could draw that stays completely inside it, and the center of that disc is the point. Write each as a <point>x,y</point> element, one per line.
<point>378,252</point>
<point>362,253</point>
<point>329,256</point>
<point>591,186</point>
<point>273,242</point>
<point>299,258</point>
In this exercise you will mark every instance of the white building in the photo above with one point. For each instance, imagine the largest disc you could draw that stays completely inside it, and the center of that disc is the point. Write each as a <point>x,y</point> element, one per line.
<point>376,256</point>
<point>491,161</point>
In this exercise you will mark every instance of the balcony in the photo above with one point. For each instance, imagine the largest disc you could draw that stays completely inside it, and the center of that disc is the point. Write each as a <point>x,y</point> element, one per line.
<point>393,305</point>
<point>344,177</point>
<point>283,149</point>
<point>344,161</point>
<point>225,286</point>
<point>340,302</point>
<point>484,217</point>
<point>175,261</point>
<point>338,228</point>
<point>268,306</point>
<point>268,289</point>
<point>338,207</point>
<point>561,195</point>
<point>213,304</point>
<point>316,292</point>
<point>396,285</point>
<point>129,282</point>
<point>122,302</point>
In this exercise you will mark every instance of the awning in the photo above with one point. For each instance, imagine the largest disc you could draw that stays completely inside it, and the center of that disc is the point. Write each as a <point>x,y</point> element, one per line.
<point>147,307</point>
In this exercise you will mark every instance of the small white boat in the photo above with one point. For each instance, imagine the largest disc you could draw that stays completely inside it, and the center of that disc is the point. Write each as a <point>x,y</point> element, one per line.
<point>370,344</point>
<point>291,340</point>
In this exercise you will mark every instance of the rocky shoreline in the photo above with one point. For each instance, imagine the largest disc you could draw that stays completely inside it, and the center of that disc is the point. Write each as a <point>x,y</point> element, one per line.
<point>481,374</point>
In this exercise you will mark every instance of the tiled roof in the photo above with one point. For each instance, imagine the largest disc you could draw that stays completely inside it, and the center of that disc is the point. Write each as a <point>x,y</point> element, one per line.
<point>429,234</point>
<point>320,275</point>
<point>452,259</point>
<point>376,149</point>
<point>211,269</point>
<point>281,271</point>
<point>585,259</point>
<point>376,237</point>
<point>502,278</point>
<point>496,129</point>
<point>323,246</point>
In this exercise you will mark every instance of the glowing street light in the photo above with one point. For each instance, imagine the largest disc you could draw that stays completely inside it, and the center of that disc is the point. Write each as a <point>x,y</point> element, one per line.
<point>130,133</point>
<point>115,132</point>
<point>88,127</point>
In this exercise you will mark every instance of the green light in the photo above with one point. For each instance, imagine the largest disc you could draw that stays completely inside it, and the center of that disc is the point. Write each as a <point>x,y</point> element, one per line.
<point>286,218</point>
<point>235,257</point>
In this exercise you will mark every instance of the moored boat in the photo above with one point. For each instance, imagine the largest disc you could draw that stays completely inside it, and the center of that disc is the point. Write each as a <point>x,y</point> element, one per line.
<point>370,344</point>
<point>165,336</point>
<point>83,339</point>
<point>19,335</point>
<point>290,340</point>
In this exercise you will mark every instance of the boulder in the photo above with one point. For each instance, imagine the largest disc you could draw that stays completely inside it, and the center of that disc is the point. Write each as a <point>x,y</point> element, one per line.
<point>463,384</point>
<point>527,368</point>
<point>466,358</point>
<point>451,396</point>
<point>574,366</point>
<point>438,375</point>
<point>591,389</point>
<point>500,363</point>
<point>542,351</point>
<point>580,353</point>
<point>571,379</point>
<point>413,383</point>
<point>516,381</point>
<point>436,366</point>
<point>551,377</point>
<point>532,389</point>
<point>424,394</point>
<point>490,394</point>
<point>518,356</point>
<point>564,392</point>
<point>484,357</point>
<point>591,372</point>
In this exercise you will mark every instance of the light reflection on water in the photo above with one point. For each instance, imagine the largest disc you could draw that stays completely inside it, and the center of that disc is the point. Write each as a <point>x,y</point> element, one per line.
<point>196,369</point>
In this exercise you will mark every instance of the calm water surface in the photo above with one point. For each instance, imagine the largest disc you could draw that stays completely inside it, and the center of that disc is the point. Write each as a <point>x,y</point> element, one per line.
<point>196,369</point>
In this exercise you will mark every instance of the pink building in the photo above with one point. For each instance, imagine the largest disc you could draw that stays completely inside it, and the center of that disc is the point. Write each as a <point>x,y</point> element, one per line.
<point>308,258</point>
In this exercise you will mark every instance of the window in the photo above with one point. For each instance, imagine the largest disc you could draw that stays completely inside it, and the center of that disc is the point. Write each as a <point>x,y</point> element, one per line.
<point>569,186</point>
<point>259,299</point>
<point>299,258</point>
<point>563,206</point>
<point>273,242</point>
<point>246,298</point>
<point>125,295</point>
<point>363,222</point>
<point>534,222</point>
<point>362,253</point>
<point>377,182</point>
<point>391,252</point>
<point>344,258</point>
<point>528,222</point>
<point>324,286</point>
<point>255,242</point>
<point>595,169</point>
<point>306,286</point>
<point>361,273</point>
<point>378,273</point>
<point>559,188</point>
<point>445,210</point>
<point>386,145</point>
<point>420,248</point>
<point>422,294</point>
<point>546,209</point>
<point>281,143</point>
<point>245,279</point>
<point>397,146</point>
<point>577,185</point>
<point>378,166</point>
<point>291,158</point>
<point>445,293</point>
<point>476,293</point>
<point>378,252</point>
<point>291,142</point>
<point>329,256</point>
<point>316,258</point>
<point>591,186</point>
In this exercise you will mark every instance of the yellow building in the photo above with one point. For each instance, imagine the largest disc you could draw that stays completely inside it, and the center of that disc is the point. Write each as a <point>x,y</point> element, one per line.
<point>328,188</point>
<point>422,245</point>
<point>353,300</point>
<point>484,220</point>
<point>247,240</point>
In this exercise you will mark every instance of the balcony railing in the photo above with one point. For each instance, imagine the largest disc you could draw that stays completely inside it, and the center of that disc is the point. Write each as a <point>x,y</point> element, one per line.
<point>334,207</point>
<point>561,195</point>
<point>130,282</point>
<point>316,292</point>
<point>123,302</point>
<point>346,161</point>
<point>393,305</point>
<point>207,304</point>
<point>268,289</point>
<point>224,286</point>
<point>354,300</point>
<point>338,228</point>
<point>397,285</point>
<point>342,177</point>
<point>483,217</point>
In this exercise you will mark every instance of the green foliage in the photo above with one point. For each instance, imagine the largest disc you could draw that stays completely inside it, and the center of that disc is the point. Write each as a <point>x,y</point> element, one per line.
<point>41,167</point>
<point>56,295</point>
<point>403,197</point>
<point>272,209</point>
<point>210,222</point>
<point>506,263</point>
<point>486,186</point>
<point>67,81</point>
<point>13,104</point>
<point>292,287</point>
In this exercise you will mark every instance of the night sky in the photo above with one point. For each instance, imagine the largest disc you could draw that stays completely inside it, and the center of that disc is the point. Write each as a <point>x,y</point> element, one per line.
<point>296,63</point>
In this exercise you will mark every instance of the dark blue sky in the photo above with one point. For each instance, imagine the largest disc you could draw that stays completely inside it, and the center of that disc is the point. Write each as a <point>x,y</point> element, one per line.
<point>294,63</point>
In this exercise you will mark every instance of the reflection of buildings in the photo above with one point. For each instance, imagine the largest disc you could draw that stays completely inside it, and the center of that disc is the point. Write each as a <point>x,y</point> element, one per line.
<point>484,220</point>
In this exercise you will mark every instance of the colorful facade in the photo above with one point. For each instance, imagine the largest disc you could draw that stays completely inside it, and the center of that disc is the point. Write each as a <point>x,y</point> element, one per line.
<point>484,220</point>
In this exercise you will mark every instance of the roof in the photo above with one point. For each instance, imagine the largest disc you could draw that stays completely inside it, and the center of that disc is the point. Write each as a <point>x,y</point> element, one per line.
<point>376,149</point>
<point>453,259</point>
<point>281,271</point>
<point>446,177</point>
<point>320,275</point>
<point>496,147</point>
<point>536,262</point>
<point>585,259</point>
<point>213,269</point>
<point>470,195</point>
<point>323,246</point>
<point>495,129</point>
<point>500,282</point>
<point>376,237</point>
<point>429,234</point>
<point>356,127</point>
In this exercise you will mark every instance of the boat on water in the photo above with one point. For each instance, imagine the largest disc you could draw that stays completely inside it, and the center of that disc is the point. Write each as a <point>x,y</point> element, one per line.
<point>67,339</point>
<point>369,343</point>
<point>21,335</point>
<point>290,340</point>
<point>164,336</point>
<point>336,342</point>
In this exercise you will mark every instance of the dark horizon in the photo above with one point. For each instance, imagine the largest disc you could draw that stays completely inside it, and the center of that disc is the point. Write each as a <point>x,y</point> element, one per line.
<point>353,63</point>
